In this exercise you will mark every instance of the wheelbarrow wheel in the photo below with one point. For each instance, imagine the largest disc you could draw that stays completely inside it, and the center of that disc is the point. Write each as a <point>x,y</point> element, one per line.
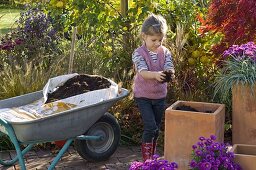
<point>99,150</point>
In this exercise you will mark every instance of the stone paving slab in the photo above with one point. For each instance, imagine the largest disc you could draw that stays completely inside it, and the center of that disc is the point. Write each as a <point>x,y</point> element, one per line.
<point>41,160</point>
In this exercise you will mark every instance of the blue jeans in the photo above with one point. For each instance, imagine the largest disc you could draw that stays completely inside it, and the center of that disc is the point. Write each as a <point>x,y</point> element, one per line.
<point>151,111</point>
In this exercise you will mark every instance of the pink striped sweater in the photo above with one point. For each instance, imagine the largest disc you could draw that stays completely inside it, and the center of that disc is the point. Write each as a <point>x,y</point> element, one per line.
<point>151,89</point>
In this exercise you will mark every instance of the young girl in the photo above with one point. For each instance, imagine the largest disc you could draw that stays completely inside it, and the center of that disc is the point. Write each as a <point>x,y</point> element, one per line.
<point>150,60</point>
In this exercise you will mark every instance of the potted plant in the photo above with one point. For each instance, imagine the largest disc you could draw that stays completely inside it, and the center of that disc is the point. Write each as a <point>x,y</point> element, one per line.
<point>184,122</point>
<point>207,154</point>
<point>245,155</point>
<point>238,77</point>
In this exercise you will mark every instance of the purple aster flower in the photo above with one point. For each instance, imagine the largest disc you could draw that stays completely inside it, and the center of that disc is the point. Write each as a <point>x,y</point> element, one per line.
<point>230,155</point>
<point>216,163</point>
<point>155,164</point>
<point>206,166</point>
<point>201,138</point>
<point>215,146</point>
<point>199,152</point>
<point>194,147</point>
<point>208,141</point>
<point>145,167</point>
<point>155,156</point>
<point>135,165</point>
<point>164,167</point>
<point>201,144</point>
<point>213,137</point>
<point>208,157</point>
<point>160,162</point>
<point>212,156</point>
<point>239,53</point>
<point>193,164</point>
<point>174,165</point>
<point>226,165</point>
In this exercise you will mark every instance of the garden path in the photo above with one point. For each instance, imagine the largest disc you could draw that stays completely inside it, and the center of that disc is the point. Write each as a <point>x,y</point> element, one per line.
<point>41,159</point>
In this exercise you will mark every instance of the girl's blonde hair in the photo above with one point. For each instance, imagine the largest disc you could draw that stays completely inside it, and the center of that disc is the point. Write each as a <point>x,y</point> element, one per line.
<point>154,24</point>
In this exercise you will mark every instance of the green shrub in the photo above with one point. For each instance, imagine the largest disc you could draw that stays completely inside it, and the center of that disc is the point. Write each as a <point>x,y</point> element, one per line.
<point>5,143</point>
<point>20,80</point>
<point>34,39</point>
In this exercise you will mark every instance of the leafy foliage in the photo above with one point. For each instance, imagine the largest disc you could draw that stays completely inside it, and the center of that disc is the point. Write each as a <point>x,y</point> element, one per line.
<point>234,73</point>
<point>33,37</point>
<point>235,19</point>
<point>194,64</point>
<point>5,143</point>
<point>18,80</point>
<point>126,113</point>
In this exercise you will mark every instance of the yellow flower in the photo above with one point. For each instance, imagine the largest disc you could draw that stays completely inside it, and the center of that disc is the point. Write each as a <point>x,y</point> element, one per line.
<point>139,11</point>
<point>196,54</point>
<point>59,4</point>
<point>191,61</point>
<point>204,59</point>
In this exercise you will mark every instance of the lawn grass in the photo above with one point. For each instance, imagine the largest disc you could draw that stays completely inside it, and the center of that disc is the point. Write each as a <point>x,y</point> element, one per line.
<point>7,19</point>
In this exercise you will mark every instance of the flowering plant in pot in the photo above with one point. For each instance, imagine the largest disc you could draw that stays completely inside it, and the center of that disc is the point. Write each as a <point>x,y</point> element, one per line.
<point>154,164</point>
<point>238,66</point>
<point>207,154</point>
<point>235,85</point>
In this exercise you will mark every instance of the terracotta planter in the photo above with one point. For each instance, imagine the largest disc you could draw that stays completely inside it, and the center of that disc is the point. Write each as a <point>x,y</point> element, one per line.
<point>243,114</point>
<point>183,128</point>
<point>245,156</point>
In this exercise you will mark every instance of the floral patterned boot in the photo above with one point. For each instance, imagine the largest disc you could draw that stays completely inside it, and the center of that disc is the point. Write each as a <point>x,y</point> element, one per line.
<point>147,150</point>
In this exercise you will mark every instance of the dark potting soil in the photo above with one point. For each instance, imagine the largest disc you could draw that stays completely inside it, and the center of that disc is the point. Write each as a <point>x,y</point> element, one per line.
<point>186,108</point>
<point>77,85</point>
<point>168,76</point>
<point>189,108</point>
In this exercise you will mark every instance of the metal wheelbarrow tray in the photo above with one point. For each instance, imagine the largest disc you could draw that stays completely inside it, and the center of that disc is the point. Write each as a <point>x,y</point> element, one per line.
<point>67,125</point>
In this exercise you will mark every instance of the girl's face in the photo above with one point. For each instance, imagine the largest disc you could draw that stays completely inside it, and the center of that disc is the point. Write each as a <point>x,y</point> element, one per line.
<point>152,42</point>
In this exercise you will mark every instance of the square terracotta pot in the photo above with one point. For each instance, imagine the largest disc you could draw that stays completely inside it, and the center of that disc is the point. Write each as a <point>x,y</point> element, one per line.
<point>183,128</point>
<point>245,156</point>
<point>243,114</point>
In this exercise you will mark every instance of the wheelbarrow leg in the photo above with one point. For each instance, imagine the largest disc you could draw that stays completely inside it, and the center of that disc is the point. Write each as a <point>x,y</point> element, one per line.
<point>14,140</point>
<point>59,155</point>
<point>11,162</point>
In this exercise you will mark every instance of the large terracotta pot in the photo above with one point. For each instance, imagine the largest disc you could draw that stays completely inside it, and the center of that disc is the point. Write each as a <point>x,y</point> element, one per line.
<point>183,128</point>
<point>243,114</point>
<point>245,156</point>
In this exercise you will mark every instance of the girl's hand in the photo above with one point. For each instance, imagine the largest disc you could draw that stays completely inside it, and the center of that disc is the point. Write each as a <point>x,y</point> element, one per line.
<point>153,75</point>
<point>169,76</point>
<point>159,76</point>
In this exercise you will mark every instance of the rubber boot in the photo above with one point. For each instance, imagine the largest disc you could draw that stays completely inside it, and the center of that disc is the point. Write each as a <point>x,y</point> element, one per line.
<point>147,150</point>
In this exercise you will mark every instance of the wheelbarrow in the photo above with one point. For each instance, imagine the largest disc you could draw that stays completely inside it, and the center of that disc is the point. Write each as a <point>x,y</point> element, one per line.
<point>95,132</point>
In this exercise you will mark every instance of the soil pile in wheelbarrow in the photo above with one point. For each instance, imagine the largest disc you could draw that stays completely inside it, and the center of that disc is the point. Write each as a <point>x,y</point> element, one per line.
<point>77,85</point>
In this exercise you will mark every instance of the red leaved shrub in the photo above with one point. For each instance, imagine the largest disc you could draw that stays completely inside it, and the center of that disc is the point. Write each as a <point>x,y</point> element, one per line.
<point>235,19</point>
